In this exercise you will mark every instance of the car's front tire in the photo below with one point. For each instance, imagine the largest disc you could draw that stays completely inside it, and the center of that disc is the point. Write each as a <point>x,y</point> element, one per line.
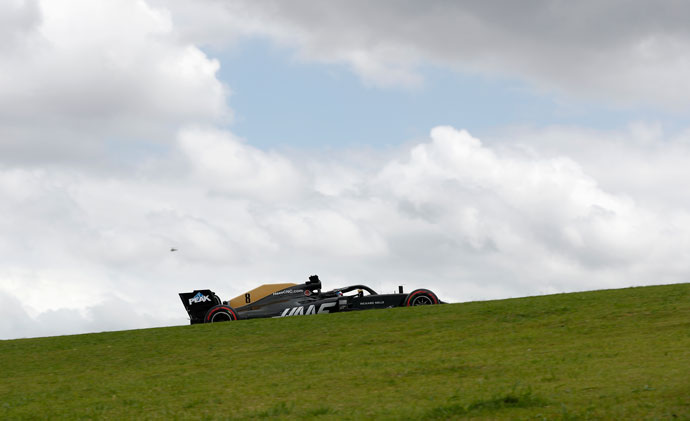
<point>220,313</point>
<point>421,297</point>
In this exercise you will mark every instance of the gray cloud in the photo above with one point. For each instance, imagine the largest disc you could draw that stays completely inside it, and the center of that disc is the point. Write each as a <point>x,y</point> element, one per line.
<point>622,52</point>
<point>18,19</point>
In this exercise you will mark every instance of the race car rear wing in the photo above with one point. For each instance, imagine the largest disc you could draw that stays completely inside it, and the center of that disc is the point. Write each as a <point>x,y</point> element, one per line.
<point>198,302</point>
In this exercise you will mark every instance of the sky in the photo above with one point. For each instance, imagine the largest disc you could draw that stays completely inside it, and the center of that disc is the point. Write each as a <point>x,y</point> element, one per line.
<point>481,150</point>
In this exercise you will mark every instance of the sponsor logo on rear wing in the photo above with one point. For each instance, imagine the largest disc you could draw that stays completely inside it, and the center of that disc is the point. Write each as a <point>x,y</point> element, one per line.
<point>199,298</point>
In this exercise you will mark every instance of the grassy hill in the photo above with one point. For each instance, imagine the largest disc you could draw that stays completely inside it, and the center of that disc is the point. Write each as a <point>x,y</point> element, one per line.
<point>616,354</point>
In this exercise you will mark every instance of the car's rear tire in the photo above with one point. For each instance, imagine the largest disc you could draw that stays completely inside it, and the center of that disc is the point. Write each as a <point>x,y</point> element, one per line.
<point>421,297</point>
<point>220,313</point>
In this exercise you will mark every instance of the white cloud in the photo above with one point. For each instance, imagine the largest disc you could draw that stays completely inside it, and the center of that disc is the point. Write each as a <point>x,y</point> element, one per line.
<point>471,221</point>
<point>89,71</point>
<point>521,209</point>
<point>109,314</point>
<point>229,166</point>
<point>86,246</point>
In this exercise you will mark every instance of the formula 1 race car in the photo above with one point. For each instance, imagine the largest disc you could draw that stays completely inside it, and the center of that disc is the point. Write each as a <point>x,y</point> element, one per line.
<point>281,300</point>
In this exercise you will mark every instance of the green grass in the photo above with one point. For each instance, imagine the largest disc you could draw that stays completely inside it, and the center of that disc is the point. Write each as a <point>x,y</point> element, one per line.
<point>616,354</point>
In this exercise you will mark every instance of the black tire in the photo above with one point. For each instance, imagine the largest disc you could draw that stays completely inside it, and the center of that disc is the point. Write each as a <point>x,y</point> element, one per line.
<point>221,313</point>
<point>421,297</point>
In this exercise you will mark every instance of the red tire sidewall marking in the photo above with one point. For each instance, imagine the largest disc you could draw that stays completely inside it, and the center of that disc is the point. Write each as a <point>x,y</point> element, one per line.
<point>229,310</point>
<point>421,291</point>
